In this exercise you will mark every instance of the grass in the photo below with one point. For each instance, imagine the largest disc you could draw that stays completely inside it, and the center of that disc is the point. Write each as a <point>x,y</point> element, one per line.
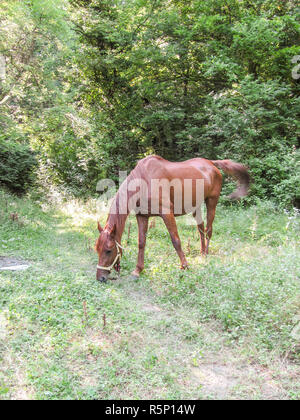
<point>222,329</point>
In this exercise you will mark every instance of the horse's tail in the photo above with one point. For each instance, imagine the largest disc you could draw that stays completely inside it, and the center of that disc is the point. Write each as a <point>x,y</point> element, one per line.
<point>237,171</point>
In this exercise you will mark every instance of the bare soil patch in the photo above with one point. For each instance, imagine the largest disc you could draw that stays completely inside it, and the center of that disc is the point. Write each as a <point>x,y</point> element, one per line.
<point>12,263</point>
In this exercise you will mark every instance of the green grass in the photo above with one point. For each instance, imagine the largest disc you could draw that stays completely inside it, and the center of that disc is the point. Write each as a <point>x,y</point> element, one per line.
<point>222,329</point>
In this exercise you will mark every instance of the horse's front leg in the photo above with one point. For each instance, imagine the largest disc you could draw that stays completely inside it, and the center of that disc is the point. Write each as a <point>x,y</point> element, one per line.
<point>143,228</point>
<point>170,223</point>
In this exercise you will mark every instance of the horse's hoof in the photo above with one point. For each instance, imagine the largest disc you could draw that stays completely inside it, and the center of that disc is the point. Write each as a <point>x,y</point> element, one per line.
<point>135,275</point>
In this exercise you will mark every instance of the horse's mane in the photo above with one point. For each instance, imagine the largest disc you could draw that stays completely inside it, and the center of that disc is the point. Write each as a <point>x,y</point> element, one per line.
<point>119,203</point>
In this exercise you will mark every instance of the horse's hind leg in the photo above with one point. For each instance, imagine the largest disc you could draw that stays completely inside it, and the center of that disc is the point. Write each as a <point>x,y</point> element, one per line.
<point>170,223</point>
<point>211,204</point>
<point>200,225</point>
<point>143,227</point>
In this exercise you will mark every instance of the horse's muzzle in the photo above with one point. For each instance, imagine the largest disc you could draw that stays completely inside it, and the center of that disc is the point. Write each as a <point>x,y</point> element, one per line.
<point>102,279</point>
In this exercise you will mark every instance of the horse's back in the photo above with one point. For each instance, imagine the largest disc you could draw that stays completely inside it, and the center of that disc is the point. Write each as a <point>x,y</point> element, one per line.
<point>156,167</point>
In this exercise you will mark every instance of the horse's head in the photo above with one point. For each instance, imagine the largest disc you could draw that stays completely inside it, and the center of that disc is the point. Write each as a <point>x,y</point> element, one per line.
<point>109,251</point>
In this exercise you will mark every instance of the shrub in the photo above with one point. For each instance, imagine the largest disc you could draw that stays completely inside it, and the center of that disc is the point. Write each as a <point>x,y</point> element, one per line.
<point>288,190</point>
<point>17,164</point>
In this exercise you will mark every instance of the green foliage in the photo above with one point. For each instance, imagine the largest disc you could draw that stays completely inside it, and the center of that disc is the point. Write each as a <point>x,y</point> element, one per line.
<point>196,79</point>
<point>96,85</point>
<point>17,163</point>
<point>287,191</point>
<point>37,40</point>
<point>255,123</point>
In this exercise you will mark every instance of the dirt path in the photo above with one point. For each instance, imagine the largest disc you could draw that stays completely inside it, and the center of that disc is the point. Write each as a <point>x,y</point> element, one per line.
<point>13,264</point>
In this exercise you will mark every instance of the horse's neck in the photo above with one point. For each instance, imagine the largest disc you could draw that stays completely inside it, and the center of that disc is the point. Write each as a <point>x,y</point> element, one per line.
<point>118,214</point>
<point>119,221</point>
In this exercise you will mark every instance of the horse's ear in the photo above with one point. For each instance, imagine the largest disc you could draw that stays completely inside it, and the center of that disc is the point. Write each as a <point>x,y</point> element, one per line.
<point>113,230</point>
<point>99,227</point>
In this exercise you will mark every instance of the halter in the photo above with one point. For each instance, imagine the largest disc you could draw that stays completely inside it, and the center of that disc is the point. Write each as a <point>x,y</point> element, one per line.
<point>118,257</point>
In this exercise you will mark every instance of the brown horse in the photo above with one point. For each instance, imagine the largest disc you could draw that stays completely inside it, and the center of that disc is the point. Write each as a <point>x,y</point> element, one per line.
<point>157,187</point>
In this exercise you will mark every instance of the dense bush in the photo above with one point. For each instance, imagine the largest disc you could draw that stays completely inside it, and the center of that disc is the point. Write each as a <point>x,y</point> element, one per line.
<point>17,163</point>
<point>287,191</point>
